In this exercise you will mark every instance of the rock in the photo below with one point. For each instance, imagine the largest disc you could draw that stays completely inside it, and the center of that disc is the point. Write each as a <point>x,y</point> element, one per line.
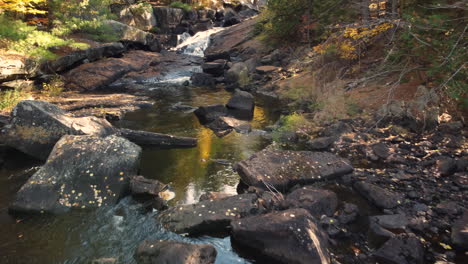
<point>224,125</point>
<point>104,261</point>
<point>284,169</point>
<point>208,114</point>
<point>231,18</point>
<point>202,26</point>
<point>130,34</point>
<point>383,227</point>
<point>168,18</point>
<point>247,13</point>
<point>349,214</point>
<point>203,79</point>
<point>209,217</point>
<point>36,126</point>
<point>317,201</point>
<point>321,143</point>
<point>266,69</point>
<point>242,102</point>
<point>238,75</point>
<point>381,150</point>
<point>81,172</point>
<point>452,127</point>
<point>460,231</point>
<point>102,73</point>
<point>447,208</point>
<point>215,68</point>
<point>14,66</point>
<point>139,15</point>
<point>401,249</point>
<point>336,129</point>
<point>146,188</point>
<point>78,57</point>
<point>159,252</point>
<point>378,196</point>
<point>446,166</point>
<point>213,196</point>
<point>291,236</point>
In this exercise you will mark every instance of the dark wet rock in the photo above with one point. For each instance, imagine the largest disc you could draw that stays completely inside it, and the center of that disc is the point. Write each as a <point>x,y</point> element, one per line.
<point>381,150</point>
<point>242,102</point>
<point>104,261</point>
<point>224,125</point>
<point>385,226</point>
<point>284,169</point>
<point>81,172</point>
<point>317,201</point>
<point>349,213</point>
<point>134,35</point>
<point>452,127</point>
<point>378,196</point>
<point>216,68</point>
<point>180,106</point>
<point>401,249</point>
<point>142,187</point>
<point>211,196</point>
<point>331,226</point>
<point>446,166</point>
<point>231,18</point>
<point>78,57</point>
<point>168,18</point>
<point>159,252</point>
<point>203,79</point>
<point>460,231</point>
<point>447,207</point>
<point>418,223</point>
<point>462,164</point>
<point>247,13</point>
<point>336,129</point>
<point>290,236</point>
<point>36,126</point>
<point>209,217</point>
<point>208,114</point>
<point>202,26</point>
<point>321,143</point>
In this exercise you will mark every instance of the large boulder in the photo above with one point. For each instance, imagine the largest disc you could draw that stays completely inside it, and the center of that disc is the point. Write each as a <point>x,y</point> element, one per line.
<point>203,79</point>
<point>209,216</point>
<point>291,237</point>
<point>171,252</point>
<point>134,35</point>
<point>216,68</point>
<point>238,74</point>
<point>242,102</point>
<point>168,18</point>
<point>317,201</point>
<point>284,169</point>
<point>81,172</point>
<point>139,15</point>
<point>378,196</point>
<point>36,126</point>
<point>14,66</point>
<point>78,57</point>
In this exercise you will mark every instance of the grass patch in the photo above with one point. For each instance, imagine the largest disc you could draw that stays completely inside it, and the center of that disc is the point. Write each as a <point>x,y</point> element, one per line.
<point>183,6</point>
<point>10,98</point>
<point>54,88</point>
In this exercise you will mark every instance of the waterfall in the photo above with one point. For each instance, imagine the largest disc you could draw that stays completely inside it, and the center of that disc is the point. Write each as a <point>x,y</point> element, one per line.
<point>197,44</point>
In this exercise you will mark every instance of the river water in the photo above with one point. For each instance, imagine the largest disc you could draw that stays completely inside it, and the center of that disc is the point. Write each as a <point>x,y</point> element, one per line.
<point>115,231</point>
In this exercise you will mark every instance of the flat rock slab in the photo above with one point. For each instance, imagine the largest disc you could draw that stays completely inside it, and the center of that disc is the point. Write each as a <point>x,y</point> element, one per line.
<point>81,172</point>
<point>290,236</point>
<point>267,69</point>
<point>401,249</point>
<point>283,169</point>
<point>171,252</point>
<point>209,216</point>
<point>378,196</point>
<point>317,201</point>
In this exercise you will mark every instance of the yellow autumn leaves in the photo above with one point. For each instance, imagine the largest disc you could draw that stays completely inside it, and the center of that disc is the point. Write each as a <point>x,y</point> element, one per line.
<point>346,44</point>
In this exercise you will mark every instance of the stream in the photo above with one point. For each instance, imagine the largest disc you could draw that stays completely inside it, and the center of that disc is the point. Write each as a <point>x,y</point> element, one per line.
<point>115,231</point>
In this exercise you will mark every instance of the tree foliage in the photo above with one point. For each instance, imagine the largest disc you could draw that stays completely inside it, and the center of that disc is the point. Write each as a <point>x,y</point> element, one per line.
<point>24,6</point>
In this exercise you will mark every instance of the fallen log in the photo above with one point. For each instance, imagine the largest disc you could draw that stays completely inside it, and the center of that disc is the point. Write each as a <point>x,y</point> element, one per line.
<point>144,138</point>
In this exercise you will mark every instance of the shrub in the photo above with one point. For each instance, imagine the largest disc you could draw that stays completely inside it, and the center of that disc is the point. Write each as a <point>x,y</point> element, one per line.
<point>53,88</point>
<point>185,7</point>
<point>291,123</point>
<point>11,98</point>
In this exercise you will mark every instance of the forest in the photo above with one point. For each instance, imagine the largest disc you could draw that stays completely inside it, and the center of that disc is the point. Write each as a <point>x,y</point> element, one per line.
<point>234,131</point>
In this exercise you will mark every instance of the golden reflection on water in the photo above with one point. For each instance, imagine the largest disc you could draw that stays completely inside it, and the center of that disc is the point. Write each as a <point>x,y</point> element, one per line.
<point>204,145</point>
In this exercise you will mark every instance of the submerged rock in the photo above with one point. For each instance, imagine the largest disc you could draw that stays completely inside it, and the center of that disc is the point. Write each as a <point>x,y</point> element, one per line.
<point>283,169</point>
<point>171,252</point>
<point>378,196</point>
<point>81,172</point>
<point>291,237</point>
<point>36,126</point>
<point>317,201</point>
<point>209,216</point>
<point>208,114</point>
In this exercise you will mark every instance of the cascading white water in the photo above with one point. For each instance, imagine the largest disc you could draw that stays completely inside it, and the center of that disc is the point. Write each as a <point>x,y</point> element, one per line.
<point>197,44</point>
